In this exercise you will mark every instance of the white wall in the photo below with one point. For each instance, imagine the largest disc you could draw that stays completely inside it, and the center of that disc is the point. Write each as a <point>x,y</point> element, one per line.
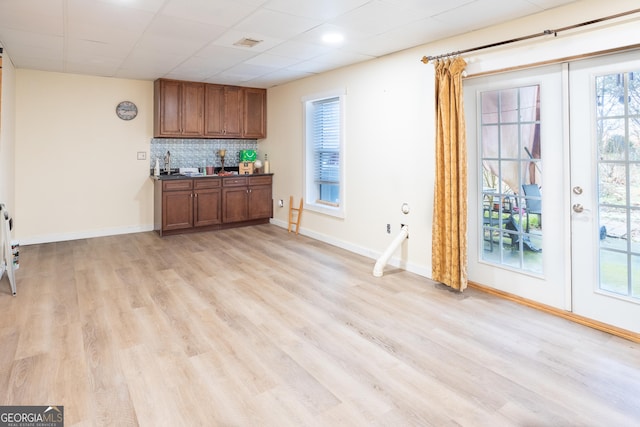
<point>76,169</point>
<point>390,127</point>
<point>76,173</point>
<point>7,134</point>
<point>388,158</point>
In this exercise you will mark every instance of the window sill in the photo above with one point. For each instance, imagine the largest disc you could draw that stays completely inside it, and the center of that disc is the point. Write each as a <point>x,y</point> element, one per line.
<point>337,211</point>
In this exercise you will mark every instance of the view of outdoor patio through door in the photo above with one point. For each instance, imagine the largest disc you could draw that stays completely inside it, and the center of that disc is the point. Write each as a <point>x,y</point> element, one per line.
<point>618,139</point>
<point>510,149</point>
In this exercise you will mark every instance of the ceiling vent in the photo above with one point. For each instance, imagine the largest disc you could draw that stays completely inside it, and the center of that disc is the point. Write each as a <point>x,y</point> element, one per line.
<point>247,42</point>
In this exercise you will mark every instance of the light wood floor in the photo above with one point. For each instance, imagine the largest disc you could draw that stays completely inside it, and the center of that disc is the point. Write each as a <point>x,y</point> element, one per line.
<point>258,327</point>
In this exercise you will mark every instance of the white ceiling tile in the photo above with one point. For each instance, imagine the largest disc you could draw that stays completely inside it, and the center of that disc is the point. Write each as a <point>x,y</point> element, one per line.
<point>156,61</point>
<point>32,45</point>
<point>276,24</point>
<point>148,5</point>
<point>549,4</point>
<point>273,61</point>
<point>277,78</point>
<point>202,67</point>
<point>184,29</point>
<point>314,36</point>
<point>243,73</point>
<point>140,73</point>
<point>419,32</point>
<point>225,57</point>
<point>38,63</point>
<point>341,58</point>
<point>375,17</point>
<point>78,50</point>
<point>312,66</point>
<point>100,14</point>
<point>483,13</point>
<point>427,8</point>
<point>102,69</point>
<point>32,15</point>
<point>377,45</point>
<point>220,12</point>
<point>194,39</point>
<point>324,10</point>
<point>299,50</point>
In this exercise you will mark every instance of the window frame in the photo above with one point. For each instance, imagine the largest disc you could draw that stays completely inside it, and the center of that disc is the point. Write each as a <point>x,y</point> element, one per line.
<point>310,187</point>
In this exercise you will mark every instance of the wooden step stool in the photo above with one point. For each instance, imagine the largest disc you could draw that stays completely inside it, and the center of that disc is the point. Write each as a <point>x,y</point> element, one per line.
<point>294,215</point>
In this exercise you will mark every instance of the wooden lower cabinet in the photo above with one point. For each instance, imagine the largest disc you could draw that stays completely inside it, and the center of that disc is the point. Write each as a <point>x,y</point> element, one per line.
<point>199,204</point>
<point>177,210</point>
<point>246,198</point>
<point>206,202</point>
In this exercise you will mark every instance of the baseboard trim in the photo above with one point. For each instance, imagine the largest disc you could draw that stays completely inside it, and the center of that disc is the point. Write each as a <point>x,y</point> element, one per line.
<point>619,332</point>
<point>51,238</point>
<point>374,255</point>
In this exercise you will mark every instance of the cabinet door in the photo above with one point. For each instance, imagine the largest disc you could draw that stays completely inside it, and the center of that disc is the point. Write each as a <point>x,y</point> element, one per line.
<point>234,204</point>
<point>207,207</point>
<point>177,210</point>
<point>223,111</point>
<point>192,109</point>
<point>255,113</point>
<point>167,108</point>
<point>232,112</point>
<point>260,202</point>
<point>214,110</point>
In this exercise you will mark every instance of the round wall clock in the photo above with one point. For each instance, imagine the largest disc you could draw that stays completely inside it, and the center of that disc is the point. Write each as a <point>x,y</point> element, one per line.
<point>127,110</point>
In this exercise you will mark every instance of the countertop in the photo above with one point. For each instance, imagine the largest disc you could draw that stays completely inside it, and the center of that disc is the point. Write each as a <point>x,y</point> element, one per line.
<point>175,176</point>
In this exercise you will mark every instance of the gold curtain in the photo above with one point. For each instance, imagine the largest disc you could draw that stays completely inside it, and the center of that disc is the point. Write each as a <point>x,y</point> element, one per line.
<point>449,245</point>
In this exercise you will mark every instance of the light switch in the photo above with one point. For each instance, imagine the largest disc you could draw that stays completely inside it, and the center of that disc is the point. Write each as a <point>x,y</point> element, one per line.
<point>142,155</point>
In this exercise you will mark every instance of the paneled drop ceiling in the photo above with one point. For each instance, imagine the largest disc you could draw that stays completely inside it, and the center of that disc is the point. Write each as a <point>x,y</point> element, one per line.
<point>206,40</point>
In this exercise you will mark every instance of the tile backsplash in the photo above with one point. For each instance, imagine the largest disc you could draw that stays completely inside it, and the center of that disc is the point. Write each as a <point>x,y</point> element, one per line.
<point>196,153</point>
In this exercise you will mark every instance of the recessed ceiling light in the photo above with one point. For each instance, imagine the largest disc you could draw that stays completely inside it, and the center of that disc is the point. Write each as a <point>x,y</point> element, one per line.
<point>333,38</point>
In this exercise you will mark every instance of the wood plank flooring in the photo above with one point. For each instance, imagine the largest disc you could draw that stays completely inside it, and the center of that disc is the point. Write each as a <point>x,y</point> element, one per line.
<point>259,327</point>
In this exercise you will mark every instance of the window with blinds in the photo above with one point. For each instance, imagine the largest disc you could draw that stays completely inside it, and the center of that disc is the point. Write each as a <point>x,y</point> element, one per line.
<point>324,153</point>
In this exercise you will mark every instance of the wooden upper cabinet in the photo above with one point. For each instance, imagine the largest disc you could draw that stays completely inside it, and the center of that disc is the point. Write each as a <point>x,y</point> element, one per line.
<point>223,111</point>
<point>178,109</point>
<point>199,110</point>
<point>255,113</point>
<point>193,109</point>
<point>166,108</point>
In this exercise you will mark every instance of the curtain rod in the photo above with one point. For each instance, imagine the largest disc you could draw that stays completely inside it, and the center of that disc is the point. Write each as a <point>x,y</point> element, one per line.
<point>426,59</point>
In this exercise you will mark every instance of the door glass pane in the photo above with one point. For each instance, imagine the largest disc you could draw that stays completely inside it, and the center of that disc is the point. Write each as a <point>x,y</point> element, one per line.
<point>635,276</point>
<point>613,272</point>
<point>611,139</point>
<point>613,177</point>
<point>511,211</point>
<point>618,130</point>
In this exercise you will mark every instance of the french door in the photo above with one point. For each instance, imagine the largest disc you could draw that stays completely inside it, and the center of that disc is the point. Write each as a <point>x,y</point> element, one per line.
<point>605,189</point>
<point>518,221</point>
<point>554,186</point>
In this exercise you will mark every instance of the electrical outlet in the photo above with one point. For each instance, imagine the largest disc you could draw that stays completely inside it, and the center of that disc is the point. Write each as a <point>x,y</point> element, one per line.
<point>388,228</point>
<point>281,203</point>
<point>142,155</point>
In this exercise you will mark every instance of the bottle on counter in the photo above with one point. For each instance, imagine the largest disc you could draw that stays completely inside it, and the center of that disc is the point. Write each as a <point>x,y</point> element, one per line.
<point>156,170</point>
<point>265,164</point>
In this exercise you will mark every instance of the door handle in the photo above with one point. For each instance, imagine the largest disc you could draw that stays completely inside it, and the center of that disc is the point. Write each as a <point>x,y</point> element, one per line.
<point>577,190</point>
<point>578,208</point>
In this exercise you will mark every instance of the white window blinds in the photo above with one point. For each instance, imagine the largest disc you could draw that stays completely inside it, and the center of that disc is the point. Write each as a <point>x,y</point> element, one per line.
<point>325,122</point>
